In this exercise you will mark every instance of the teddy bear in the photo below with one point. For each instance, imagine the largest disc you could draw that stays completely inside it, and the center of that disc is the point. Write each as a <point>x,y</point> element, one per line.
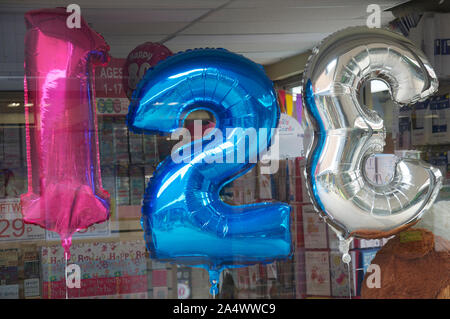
<point>413,264</point>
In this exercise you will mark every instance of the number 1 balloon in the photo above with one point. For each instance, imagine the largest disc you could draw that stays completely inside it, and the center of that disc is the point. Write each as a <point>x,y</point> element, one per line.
<point>65,191</point>
<point>184,218</point>
<point>347,133</point>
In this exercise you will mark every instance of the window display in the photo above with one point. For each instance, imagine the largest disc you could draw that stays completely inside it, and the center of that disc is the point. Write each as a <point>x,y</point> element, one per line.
<point>224,150</point>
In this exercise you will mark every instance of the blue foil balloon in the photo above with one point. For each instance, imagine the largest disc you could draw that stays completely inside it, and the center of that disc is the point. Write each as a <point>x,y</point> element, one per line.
<point>184,219</point>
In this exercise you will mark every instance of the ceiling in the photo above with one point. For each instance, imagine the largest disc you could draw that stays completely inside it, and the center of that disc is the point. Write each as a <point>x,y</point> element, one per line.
<point>265,31</point>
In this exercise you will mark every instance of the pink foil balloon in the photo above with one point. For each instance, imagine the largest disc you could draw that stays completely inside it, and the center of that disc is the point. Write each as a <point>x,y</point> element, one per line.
<point>139,60</point>
<point>65,191</point>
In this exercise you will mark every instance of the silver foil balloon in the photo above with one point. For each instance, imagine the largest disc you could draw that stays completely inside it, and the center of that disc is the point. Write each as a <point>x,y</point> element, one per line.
<point>347,133</point>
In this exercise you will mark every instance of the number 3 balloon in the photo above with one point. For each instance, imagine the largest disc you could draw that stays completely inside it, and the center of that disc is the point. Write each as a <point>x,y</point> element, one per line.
<point>184,218</point>
<point>347,133</point>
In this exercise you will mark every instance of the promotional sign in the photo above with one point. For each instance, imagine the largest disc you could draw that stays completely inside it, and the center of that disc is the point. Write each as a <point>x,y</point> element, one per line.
<point>12,227</point>
<point>139,60</point>
<point>317,268</point>
<point>111,98</point>
<point>288,139</point>
<point>106,268</point>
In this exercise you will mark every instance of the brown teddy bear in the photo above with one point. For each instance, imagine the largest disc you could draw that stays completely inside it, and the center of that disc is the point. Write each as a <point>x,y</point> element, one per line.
<point>413,264</point>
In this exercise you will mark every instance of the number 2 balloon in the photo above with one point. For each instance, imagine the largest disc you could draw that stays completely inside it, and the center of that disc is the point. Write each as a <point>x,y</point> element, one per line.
<point>184,218</point>
<point>65,191</point>
<point>347,133</point>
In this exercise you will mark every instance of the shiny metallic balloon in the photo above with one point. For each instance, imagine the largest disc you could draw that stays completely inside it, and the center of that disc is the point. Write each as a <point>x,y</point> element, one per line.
<point>183,216</point>
<point>65,192</point>
<point>347,133</point>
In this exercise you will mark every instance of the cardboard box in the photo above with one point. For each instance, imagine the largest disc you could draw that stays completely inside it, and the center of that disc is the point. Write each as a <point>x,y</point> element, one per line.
<point>150,149</point>
<point>440,119</point>
<point>421,123</point>
<point>9,273</point>
<point>314,229</point>
<point>160,292</point>
<point>122,186</point>
<point>317,268</point>
<point>120,140</point>
<point>106,141</point>
<point>137,185</point>
<point>342,278</point>
<point>136,148</point>
<point>300,272</point>
<point>32,273</point>
<point>404,128</point>
<point>265,188</point>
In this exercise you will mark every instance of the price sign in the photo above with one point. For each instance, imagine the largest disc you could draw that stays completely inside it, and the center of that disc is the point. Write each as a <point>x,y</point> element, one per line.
<point>110,94</point>
<point>12,226</point>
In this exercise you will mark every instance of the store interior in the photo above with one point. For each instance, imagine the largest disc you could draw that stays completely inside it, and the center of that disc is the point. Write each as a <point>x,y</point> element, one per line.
<point>280,35</point>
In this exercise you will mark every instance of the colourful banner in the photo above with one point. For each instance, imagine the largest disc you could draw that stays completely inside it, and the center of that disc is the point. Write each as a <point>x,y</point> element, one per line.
<point>107,268</point>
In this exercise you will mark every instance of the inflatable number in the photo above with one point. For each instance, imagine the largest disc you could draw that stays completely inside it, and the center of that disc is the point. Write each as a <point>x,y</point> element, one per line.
<point>65,191</point>
<point>184,218</point>
<point>347,133</point>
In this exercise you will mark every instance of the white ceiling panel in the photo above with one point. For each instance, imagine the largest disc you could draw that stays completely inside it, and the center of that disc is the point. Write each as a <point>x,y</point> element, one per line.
<point>132,15</point>
<point>280,14</point>
<point>310,3</point>
<point>248,39</point>
<point>120,46</point>
<point>294,26</point>
<point>108,4</point>
<point>140,21</point>
<point>265,31</point>
<point>129,29</point>
<point>267,57</point>
<point>248,43</point>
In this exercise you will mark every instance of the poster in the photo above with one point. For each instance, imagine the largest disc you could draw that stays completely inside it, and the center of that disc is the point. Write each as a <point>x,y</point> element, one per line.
<point>12,227</point>
<point>317,273</point>
<point>32,272</point>
<point>9,274</point>
<point>287,140</point>
<point>314,229</point>
<point>110,95</point>
<point>341,277</point>
<point>106,268</point>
